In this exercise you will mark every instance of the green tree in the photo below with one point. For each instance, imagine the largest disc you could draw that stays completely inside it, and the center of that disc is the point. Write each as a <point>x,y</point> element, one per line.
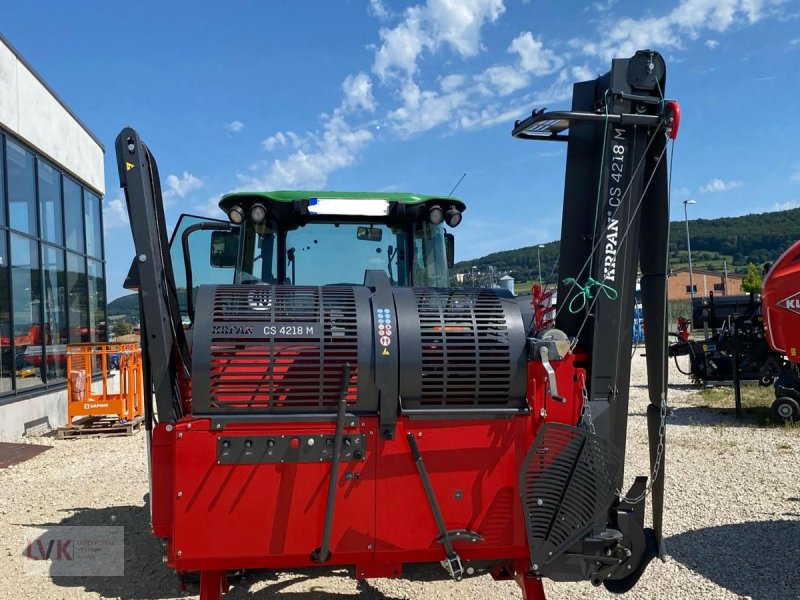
<point>751,281</point>
<point>122,328</point>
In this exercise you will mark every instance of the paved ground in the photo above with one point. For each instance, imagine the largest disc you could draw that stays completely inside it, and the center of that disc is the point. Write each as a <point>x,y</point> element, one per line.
<point>732,520</point>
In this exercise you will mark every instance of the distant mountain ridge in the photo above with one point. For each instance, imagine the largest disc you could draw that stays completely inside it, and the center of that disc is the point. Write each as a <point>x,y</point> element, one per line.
<point>727,241</point>
<point>737,241</point>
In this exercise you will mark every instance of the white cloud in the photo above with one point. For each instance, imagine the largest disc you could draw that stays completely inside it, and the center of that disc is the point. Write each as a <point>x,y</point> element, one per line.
<point>473,98</point>
<point>335,147</point>
<point>357,91</point>
<point>794,42</point>
<point>455,23</point>
<point>505,79</point>
<point>115,215</point>
<point>283,138</point>
<point>796,175</point>
<point>788,205</point>
<point>582,73</point>
<point>603,6</point>
<point>534,57</point>
<point>711,44</point>
<point>378,9</point>
<point>685,21</point>
<point>718,185</point>
<point>449,83</point>
<point>181,185</point>
<point>234,126</point>
<point>424,110</point>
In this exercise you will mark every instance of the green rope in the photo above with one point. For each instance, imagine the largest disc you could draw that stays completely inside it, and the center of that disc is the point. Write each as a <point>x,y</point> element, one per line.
<point>599,184</point>
<point>585,293</point>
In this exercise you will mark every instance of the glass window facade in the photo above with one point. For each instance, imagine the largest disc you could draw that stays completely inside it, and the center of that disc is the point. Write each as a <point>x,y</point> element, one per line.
<point>6,333</point>
<point>2,183</point>
<point>73,215</point>
<point>52,273</point>
<point>50,203</point>
<point>93,221</point>
<point>21,188</point>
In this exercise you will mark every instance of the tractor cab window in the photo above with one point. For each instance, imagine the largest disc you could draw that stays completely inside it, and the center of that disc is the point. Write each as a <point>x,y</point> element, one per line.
<point>206,265</point>
<point>322,252</point>
<point>260,251</point>
<point>429,267</point>
<point>339,253</point>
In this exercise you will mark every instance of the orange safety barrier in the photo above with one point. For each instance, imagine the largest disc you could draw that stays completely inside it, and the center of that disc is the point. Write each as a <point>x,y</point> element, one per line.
<point>117,367</point>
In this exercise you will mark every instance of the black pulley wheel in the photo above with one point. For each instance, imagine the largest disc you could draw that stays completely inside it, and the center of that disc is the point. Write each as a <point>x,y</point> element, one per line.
<point>766,380</point>
<point>786,409</point>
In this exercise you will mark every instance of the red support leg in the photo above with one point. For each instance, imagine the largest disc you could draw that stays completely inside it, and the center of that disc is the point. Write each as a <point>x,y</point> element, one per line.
<point>212,585</point>
<point>532,588</point>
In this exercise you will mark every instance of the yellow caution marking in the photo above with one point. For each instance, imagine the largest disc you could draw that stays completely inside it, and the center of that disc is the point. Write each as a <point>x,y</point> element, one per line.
<point>129,166</point>
<point>385,352</point>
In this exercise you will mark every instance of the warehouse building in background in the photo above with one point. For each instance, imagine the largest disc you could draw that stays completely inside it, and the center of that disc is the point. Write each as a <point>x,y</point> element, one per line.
<point>52,272</point>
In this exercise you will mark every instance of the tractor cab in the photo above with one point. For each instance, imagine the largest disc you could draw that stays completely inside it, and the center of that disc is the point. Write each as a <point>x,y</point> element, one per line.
<point>317,238</point>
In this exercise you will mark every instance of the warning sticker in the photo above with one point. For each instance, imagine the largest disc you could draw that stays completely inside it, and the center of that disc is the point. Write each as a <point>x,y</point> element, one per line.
<point>384,318</point>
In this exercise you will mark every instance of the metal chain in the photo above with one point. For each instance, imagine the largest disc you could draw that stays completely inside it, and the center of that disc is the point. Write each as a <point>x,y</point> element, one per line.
<point>587,423</point>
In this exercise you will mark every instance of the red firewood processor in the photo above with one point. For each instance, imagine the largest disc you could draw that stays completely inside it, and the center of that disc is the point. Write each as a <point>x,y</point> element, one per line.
<point>322,394</point>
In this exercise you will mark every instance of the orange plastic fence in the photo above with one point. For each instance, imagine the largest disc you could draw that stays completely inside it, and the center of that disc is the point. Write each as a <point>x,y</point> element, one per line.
<point>117,369</point>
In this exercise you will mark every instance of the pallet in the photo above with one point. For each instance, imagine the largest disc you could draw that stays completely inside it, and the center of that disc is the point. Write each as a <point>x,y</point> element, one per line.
<point>94,427</point>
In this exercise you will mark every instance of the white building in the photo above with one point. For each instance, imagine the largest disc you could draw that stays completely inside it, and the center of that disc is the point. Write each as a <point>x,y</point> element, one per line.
<point>52,269</point>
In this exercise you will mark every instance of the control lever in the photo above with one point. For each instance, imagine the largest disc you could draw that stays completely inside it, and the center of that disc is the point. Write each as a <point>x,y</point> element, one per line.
<point>551,375</point>
<point>452,562</point>
<point>550,344</point>
<point>322,553</point>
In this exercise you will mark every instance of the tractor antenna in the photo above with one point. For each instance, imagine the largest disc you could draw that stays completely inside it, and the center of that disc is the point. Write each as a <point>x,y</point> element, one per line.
<point>457,184</point>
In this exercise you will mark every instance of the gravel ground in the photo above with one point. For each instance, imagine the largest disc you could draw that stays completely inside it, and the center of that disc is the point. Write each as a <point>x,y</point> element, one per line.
<point>732,520</point>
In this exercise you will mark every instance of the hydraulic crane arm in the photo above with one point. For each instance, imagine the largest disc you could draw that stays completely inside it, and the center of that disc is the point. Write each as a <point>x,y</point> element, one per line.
<point>615,221</point>
<point>167,358</point>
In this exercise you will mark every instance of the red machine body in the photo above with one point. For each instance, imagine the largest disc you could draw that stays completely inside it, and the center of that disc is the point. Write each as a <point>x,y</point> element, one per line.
<point>268,516</point>
<point>780,301</point>
<point>780,305</point>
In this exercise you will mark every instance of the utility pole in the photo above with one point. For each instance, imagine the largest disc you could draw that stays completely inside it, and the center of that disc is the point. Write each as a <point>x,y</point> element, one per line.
<point>686,204</point>
<point>725,277</point>
<point>472,272</point>
<point>539,260</point>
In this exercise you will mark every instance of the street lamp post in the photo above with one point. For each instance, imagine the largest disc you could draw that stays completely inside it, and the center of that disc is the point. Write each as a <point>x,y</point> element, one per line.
<point>686,204</point>
<point>539,260</point>
<point>472,272</point>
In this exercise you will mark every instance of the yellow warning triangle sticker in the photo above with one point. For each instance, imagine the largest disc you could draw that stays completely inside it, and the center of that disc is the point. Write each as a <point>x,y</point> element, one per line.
<point>385,352</point>
<point>129,166</point>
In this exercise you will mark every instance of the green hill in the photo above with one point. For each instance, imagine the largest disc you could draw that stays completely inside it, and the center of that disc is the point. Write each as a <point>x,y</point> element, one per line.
<point>126,308</point>
<point>737,241</point>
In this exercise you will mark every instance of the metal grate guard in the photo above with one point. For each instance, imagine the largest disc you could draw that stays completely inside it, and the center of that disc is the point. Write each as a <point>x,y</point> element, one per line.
<point>567,486</point>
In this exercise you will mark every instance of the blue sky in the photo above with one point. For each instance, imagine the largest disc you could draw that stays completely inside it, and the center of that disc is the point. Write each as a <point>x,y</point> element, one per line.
<point>407,96</point>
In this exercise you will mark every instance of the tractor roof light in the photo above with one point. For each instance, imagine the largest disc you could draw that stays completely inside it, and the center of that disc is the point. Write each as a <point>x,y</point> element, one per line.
<point>453,216</point>
<point>236,215</point>
<point>258,213</point>
<point>435,214</point>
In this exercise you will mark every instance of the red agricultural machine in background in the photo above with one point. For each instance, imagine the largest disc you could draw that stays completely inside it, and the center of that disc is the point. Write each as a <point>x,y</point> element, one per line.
<point>334,402</point>
<point>780,301</point>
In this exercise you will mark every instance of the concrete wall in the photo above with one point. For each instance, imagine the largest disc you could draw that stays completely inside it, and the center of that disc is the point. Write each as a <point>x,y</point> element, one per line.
<point>30,111</point>
<point>33,415</point>
<point>40,414</point>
